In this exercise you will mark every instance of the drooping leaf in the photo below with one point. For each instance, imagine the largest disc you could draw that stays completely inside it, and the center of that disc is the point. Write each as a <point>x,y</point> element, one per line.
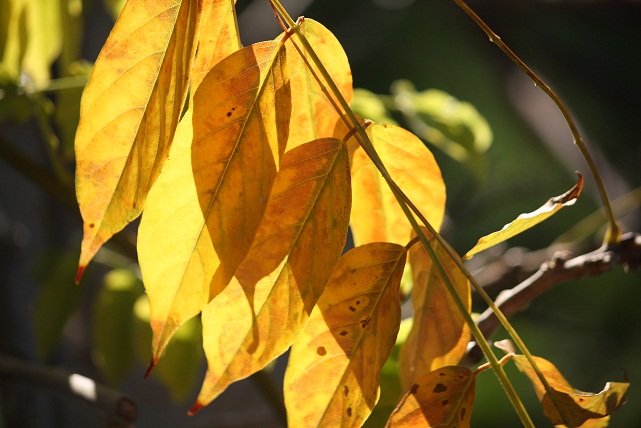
<point>128,114</point>
<point>376,216</point>
<point>442,398</point>
<point>333,374</point>
<point>528,220</point>
<point>313,116</point>
<point>439,335</point>
<point>580,409</point>
<point>203,212</point>
<point>217,38</point>
<point>260,313</point>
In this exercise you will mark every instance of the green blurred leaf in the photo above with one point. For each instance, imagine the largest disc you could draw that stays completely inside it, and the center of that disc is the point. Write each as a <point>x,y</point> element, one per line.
<point>370,106</point>
<point>112,337</point>
<point>114,7</point>
<point>57,299</point>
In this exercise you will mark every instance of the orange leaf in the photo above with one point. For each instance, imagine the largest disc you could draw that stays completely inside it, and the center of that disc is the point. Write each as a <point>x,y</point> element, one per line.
<point>312,114</point>
<point>525,221</point>
<point>333,374</point>
<point>217,38</point>
<point>577,406</point>
<point>439,335</point>
<point>203,213</point>
<point>265,306</point>
<point>376,215</point>
<point>128,114</point>
<point>442,398</point>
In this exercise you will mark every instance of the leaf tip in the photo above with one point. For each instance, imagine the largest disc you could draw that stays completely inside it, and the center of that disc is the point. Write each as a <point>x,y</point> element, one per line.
<point>195,409</point>
<point>150,368</point>
<point>81,271</point>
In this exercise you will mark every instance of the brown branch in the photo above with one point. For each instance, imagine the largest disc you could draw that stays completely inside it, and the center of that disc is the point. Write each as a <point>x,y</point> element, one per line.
<point>559,269</point>
<point>119,409</point>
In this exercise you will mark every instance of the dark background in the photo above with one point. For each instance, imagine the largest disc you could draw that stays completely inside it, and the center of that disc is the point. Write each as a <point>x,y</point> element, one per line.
<point>588,51</point>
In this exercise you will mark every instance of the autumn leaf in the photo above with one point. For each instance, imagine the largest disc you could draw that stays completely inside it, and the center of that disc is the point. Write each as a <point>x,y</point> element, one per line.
<point>203,213</point>
<point>580,409</point>
<point>439,335</point>
<point>441,398</point>
<point>313,116</point>
<point>129,111</point>
<point>265,306</point>
<point>526,221</point>
<point>333,374</point>
<point>376,216</point>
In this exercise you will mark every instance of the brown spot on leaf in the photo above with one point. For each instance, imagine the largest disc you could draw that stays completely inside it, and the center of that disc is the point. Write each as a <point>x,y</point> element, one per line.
<point>91,225</point>
<point>414,389</point>
<point>321,351</point>
<point>349,411</point>
<point>365,322</point>
<point>358,302</point>
<point>343,333</point>
<point>441,374</point>
<point>444,403</point>
<point>352,308</point>
<point>228,113</point>
<point>440,388</point>
<point>346,390</point>
<point>462,413</point>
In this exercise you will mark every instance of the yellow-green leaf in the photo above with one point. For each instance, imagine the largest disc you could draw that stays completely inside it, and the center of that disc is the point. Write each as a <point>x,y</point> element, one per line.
<point>376,216</point>
<point>439,335</point>
<point>334,368</point>
<point>203,212</point>
<point>528,220</point>
<point>260,313</point>
<point>312,114</point>
<point>217,38</point>
<point>128,114</point>
<point>577,406</point>
<point>443,398</point>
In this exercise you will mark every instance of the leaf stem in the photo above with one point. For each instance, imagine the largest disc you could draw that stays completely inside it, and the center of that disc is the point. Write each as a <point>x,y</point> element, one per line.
<point>613,234</point>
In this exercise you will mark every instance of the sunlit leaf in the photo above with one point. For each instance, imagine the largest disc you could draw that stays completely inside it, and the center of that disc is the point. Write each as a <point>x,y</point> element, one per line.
<point>442,398</point>
<point>217,38</point>
<point>376,216</point>
<point>260,313</point>
<point>528,220</point>
<point>203,212</point>
<point>581,409</point>
<point>439,335</point>
<point>333,374</point>
<point>312,114</point>
<point>128,114</point>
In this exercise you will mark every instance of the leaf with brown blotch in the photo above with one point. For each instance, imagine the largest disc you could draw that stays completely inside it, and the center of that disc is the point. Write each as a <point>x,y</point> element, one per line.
<point>203,212</point>
<point>333,374</point>
<point>129,111</point>
<point>439,335</point>
<point>265,306</point>
<point>525,221</point>
<point>313,116</point>
<point>580,408</point>
<point>217,38</point>
<point>443,398</point>
<point>376,216</point>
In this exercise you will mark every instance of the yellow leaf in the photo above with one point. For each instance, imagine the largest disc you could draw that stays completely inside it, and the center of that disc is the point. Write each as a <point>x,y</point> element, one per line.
<point>578,407</point>
<point>128,114</point>
<point>334,368</point>
<point>312,114</point>
<point>217,38</point>
<point>526,221</point>
<point>203,213</point>
<point>443,398</point>
<point>439,335</point>
<point>265,306</point>
<point>376,216</point>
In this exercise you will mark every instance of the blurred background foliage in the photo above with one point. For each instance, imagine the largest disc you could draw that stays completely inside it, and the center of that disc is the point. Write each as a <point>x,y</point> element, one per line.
<point>502,146</point>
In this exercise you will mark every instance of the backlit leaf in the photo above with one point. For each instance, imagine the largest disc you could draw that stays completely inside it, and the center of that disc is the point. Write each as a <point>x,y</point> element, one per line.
<point>578,407</point>
<point>260,313</point>
<point>439,335</point>
<point>312,114</point>
<point>528,220</point>
<point>203,212</point>
<point>443,398</point>
<point>376,216</point>
<point>334,368</point>
<point>128,114</point>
